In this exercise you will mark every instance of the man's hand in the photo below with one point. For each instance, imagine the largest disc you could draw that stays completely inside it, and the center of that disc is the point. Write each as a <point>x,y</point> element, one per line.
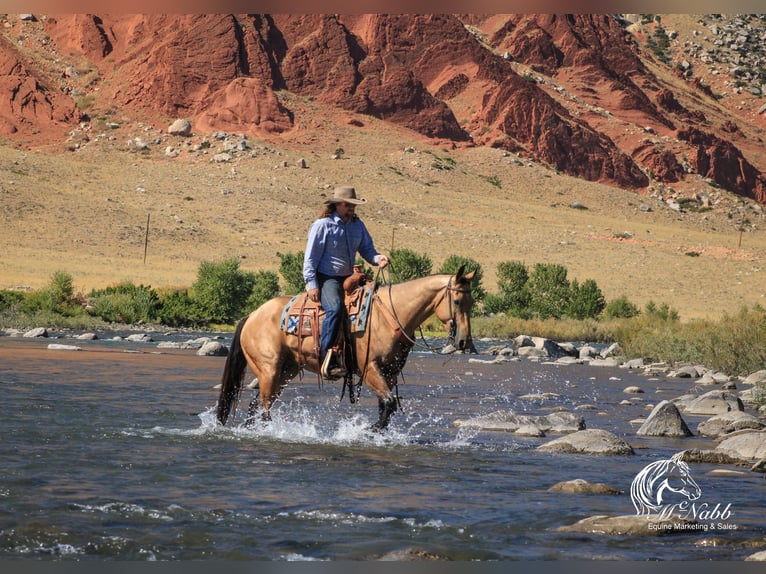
<point>314,295</point>
<point>382,261</point>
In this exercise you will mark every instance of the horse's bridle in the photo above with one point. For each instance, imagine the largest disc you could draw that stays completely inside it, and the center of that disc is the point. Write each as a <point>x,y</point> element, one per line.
<point>448,289</point>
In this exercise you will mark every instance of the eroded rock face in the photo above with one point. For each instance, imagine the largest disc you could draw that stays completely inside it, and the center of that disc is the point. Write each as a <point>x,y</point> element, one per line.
<point>721,161</point>
<point>27,102</point>
<point>422,72</point>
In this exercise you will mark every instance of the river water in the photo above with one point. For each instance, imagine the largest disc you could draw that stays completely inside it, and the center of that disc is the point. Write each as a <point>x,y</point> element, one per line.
<point>113,453</point>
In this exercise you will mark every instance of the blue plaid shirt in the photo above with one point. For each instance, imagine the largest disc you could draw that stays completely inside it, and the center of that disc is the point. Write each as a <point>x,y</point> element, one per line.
<point>332,247</point>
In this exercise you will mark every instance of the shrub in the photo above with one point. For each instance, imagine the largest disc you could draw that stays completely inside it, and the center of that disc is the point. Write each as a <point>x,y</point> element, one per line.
<point>512,278</point>
<point>663,312</point>
<point>291,268</point>
<point>265,287</point>
<point>453,263</point>
<point>585,301</point>
<point>733,345</point>
<point>406,265</point>
<point>620,308</point>
<point>56,297</point>
<point>125,303</point>
<point>177,309</point>
<point>10,299</point>
<point>549,290</point>
<point>221,290</point>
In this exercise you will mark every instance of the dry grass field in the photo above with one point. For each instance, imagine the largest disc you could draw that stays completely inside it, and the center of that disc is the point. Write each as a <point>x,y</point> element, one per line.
<point>85,212</point>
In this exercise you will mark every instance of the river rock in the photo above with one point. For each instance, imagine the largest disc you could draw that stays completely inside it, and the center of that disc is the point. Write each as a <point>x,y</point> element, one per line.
<point>558,422</point>
<point>87,337</point>
<point>727,423</point>
<point>589,441</point>
<point>60,347</point>
<point>580,486</point>
<point>746,446</point>
<point>629,524</point>
<point>712,403</point>
<point>664,420</point>
<point>38,332</point>
<point>757,557</point>
<point>538,348</point>
<point>213,349</point>
<point>139,338</point>
<point>529,430</point>
<point>755,378</point>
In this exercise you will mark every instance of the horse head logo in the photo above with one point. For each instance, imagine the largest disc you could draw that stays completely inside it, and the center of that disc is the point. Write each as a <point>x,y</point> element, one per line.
<point>663,483</point>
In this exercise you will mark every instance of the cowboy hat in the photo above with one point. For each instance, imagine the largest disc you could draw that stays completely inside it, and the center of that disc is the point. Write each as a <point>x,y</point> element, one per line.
<point>345,194</point>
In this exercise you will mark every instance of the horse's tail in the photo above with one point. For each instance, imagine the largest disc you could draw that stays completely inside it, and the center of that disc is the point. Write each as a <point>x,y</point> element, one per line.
<point>233,373</point>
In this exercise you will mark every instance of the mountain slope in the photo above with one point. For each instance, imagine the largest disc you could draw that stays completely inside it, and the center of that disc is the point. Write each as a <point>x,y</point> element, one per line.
<point>589,95</point>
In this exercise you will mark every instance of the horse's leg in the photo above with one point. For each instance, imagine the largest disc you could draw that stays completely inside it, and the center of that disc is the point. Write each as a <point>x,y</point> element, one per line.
<point>386,407</point>
<point>381,385</point>
<point>253,407</point>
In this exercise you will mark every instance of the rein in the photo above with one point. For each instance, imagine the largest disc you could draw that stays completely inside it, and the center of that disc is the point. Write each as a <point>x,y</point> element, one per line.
<point>447,291</point>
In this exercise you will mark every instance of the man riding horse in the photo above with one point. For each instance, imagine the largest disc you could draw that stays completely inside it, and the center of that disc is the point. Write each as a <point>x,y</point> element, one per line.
<point>334,239</point>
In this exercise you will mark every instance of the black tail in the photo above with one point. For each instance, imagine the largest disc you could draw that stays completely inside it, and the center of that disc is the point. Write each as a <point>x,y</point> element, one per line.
<point>233,373</point>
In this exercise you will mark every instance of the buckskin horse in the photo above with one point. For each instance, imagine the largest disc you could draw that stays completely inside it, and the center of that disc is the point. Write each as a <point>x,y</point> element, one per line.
<point>379,352</point>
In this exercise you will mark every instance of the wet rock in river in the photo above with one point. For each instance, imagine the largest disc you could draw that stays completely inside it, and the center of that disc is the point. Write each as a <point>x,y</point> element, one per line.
<point>557,422</point>
<point>664,420</point>
<point>580,486</point>
<point>589,441</point>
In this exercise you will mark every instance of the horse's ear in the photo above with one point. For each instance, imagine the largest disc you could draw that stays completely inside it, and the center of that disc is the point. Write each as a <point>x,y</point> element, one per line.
<point>468,277</point>
<point>460,272</point>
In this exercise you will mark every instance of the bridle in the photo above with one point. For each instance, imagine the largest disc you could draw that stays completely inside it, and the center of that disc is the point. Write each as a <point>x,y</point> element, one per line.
<point>447,291</point>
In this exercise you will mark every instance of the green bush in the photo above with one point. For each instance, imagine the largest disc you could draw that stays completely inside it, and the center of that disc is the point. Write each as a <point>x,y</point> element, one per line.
<point>453,263</point>
<point>126,303</point>
<point>291,268</point>
<point>585,301</point>
<point>9,300</point>
<point>177,309</point>
<point>549,290</point>
<point>56,297</point>
<point>512,279</point>
<point>265,287</point>
<point>663,312</point>
<point>221,290</point>
<point>406,265</point>
<point>620,308</point>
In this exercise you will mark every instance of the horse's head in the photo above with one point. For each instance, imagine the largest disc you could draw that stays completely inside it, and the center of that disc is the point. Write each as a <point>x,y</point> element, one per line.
<point>454,310</point>
<point>678,480</point>
<point>663,483</point>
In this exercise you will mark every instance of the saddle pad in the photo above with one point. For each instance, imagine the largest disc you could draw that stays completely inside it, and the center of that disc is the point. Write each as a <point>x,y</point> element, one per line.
<point>297,314</point>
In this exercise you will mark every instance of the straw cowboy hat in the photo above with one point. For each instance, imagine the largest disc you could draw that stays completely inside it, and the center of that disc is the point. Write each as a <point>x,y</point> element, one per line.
<point>345,194</point>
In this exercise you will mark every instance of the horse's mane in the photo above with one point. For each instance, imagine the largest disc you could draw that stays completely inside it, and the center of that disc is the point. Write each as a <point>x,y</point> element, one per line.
<point>643,489</point>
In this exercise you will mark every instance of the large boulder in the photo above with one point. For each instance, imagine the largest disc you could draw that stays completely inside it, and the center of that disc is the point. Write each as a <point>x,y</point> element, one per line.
<point>589,441</point>
<point>664,420</point>
<point>712,403</point>
<point>727,423</point>
<point>746,446</point>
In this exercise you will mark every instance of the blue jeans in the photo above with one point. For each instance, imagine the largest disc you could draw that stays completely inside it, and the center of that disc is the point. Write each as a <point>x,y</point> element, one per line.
<point>332,298</point>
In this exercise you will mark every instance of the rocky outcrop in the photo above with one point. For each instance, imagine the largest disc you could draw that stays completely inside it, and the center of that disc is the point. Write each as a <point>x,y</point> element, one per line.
<point>28,103</point>
<point>441,75</point>
<point>721,161</point>
<point>555,137</point>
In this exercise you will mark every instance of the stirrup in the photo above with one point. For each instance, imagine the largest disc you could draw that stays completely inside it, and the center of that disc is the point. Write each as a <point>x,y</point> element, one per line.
<point>330,371</point>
